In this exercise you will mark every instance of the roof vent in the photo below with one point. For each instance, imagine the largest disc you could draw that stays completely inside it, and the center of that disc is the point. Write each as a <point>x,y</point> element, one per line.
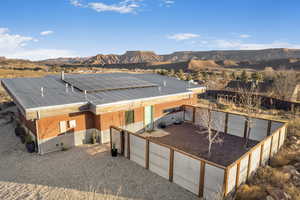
<point>72,88</point>
<point>159,89</point>
<point>67,88</point>
<point>62,75</point>
<point>42,91</point>
<point>85,95</point>
<point>164,83</point>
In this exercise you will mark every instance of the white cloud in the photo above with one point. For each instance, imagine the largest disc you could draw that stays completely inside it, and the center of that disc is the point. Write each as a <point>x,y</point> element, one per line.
<point>245,36</point>
<point>40,54</point>
<point>182,36</point>
<point>12,41</point>
<point>123,7</point>
<point>168,3</point>
<point>16,46</point>
<point>46,32</point>
<point>76,3</point>
<point>239,45</point>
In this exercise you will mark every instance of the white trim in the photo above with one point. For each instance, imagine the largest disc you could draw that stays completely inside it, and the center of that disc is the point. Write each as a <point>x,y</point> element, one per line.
<point>142,99</point>
<point>55,106</point>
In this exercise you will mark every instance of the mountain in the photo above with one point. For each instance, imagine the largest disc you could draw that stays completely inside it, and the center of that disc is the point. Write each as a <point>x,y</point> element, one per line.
<point>250,56</point>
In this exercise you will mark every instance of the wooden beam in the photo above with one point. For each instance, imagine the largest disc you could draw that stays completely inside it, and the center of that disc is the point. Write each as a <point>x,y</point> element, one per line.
<point>225,182</point>
<point>171,165</point>
<point>279,136</point>
<point>122,143</point>
<point>237,175</point>
<point>270,154</point>
<point>110,135</point>
<point>128,145</point>
<point>147,155</point>
<point>245,129</point>
<point>269,127</point>
<point>226,123</point>
<point>249,165</point>
<point>201,179</point>
<point>194,115</point>
<point>261,154</point>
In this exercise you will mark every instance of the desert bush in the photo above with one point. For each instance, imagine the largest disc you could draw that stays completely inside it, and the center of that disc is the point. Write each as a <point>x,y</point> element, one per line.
<point>250,192</point>
<point>292,190</point>
<point>268,175</point>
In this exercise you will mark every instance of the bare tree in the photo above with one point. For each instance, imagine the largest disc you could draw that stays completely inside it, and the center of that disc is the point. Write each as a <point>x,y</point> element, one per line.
<point>250,102</point>
<point>211,128</point>
<point>284,83</point>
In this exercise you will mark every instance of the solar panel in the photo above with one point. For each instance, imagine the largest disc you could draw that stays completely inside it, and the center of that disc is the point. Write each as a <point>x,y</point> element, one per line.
<point>98,84</point>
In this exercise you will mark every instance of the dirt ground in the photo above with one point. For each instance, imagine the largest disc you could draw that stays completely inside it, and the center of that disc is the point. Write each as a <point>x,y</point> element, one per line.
<point>72,174</point>
<point>188,138</point>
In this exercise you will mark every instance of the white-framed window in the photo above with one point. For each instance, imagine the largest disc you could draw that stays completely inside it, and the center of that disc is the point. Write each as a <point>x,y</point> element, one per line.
<point>63,126</point>
<point>72,123</point>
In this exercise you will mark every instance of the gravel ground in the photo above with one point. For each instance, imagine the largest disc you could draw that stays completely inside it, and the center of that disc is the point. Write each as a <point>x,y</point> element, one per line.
<point>75,173</point>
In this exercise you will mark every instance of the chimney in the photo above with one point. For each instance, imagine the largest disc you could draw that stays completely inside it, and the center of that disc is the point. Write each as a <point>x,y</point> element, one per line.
<point>42,91</point>
<point>85,94</point>
<point>62,75</point>
<point>67,88</point>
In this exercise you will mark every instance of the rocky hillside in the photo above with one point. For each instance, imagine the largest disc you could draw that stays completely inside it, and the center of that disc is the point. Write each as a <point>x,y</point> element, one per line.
<point>183,56</point>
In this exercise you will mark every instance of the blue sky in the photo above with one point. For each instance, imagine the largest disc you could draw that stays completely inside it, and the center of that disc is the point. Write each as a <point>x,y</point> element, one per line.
<point>39,29</point>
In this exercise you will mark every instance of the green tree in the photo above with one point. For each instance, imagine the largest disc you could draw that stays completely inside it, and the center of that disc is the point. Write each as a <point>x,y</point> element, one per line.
<point>189,77</point>
<point>256,76</point>
<point>244,76</point>
<point>233,76</point>
<point>180,74</point>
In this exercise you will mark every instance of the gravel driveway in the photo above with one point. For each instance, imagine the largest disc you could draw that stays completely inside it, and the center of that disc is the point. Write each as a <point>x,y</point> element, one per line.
<point>73,174</point>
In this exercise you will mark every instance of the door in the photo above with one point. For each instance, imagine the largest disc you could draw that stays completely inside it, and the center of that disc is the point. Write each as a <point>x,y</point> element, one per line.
<point>148,117</point>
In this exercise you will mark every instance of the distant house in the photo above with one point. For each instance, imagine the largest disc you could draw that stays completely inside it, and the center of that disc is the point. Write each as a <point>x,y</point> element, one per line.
<point>65,111</point>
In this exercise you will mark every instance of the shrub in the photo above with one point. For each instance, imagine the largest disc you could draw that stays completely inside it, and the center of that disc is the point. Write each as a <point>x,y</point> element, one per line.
<point>250,192</point>
<point>222,106</point>
<point>19,130</point>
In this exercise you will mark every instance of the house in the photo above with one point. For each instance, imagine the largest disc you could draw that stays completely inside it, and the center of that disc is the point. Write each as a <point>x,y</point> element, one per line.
<point>67,110</point>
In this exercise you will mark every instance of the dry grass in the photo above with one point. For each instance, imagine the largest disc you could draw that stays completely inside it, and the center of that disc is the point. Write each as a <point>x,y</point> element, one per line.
<point>10,73</point>
<point>250,192</point>
<point>273,177</point>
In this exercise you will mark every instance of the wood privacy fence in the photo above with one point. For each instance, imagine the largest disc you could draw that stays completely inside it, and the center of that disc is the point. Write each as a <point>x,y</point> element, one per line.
<point>198,175</point>
<point>266,102</point>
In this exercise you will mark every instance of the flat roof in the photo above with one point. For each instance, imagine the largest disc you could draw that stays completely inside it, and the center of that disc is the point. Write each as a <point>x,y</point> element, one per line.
<point>27,91</point>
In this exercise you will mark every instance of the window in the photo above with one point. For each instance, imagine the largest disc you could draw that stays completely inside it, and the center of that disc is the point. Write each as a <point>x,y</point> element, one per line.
<point>63,126</point>
<point>171,110</point>
<point>129,117</point>
<point>72,124</point>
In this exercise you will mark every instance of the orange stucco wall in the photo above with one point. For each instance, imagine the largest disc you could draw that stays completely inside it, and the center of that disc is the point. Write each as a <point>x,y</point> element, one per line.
<point>49,127</point>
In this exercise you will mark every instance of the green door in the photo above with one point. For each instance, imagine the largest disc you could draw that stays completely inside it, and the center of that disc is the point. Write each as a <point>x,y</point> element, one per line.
<point>149,117</point>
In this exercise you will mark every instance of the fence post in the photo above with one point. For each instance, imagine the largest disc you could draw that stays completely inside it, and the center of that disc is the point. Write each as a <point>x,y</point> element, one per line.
<point>110,135</point>
<point>261,153</point>
<point>201,179</point>
<point>249,165</point>
<point>122,143</point>
<point>171,165</point>
<point>128,145</point>
<point>237,174</point>
<point>269,127</point>
<point>225,181</point>
<point>245,129</point>
<point>147,154</point>
<point>226,123</point>
<point>194,115</point>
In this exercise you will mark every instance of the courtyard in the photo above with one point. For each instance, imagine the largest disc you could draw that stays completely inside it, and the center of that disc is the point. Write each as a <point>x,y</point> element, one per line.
<point>75,172</point>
